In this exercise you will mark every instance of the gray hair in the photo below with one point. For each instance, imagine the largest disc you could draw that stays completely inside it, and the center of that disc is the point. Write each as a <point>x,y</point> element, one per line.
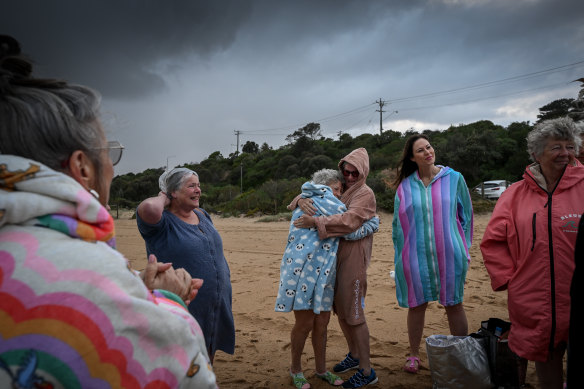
<point>327,177</point>
<point>580,127</point>
<point>171,180</point>
<point>562,128</point>
<point>45,120</point>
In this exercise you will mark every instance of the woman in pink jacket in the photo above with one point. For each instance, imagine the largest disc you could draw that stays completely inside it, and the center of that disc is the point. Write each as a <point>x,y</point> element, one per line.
<point>528,247</point>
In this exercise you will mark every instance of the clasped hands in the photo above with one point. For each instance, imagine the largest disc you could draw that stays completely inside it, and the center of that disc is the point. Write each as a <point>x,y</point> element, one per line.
<point>159,275</point>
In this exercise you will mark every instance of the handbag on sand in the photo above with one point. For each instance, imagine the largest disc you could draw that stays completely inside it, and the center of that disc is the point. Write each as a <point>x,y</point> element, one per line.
<point>508,370</point>
<point>458,361</point>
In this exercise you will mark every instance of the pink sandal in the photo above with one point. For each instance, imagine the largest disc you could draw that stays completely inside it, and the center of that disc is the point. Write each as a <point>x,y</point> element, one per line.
<point>412,365</point>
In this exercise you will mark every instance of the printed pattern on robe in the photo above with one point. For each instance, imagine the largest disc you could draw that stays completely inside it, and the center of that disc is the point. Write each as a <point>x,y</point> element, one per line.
<point>308,267</point>
<point>73,314</point>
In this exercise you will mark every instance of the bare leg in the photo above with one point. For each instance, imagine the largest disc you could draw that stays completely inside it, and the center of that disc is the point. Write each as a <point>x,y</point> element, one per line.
<point>550,374</point>
<point>319,333</point>
<point>346,328</point>
<point>357,337</point>
<point>361,338</point>
<point>416,317</point>
<point>302,327</point>
<point>457,320</point>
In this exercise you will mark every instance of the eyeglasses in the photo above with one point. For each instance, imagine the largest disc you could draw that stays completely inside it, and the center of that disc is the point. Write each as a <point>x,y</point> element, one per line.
<point>354,173</point>
<point>115,150</point>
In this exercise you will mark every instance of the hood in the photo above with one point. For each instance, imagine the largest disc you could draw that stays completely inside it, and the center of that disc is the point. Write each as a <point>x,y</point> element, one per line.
<point>33,194</point>
<point>573,174</point>
<point>360,159</point>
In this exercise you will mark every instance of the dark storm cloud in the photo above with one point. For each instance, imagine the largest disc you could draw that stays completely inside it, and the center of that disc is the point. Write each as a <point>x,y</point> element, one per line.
<point>115,45</point>
<point>178,77</point>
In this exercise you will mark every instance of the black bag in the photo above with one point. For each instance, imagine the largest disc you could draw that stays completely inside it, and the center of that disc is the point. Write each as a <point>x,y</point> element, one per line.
<point>508,370</point>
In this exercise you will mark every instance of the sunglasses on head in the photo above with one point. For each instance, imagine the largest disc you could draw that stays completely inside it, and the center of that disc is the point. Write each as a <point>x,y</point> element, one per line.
<point>348,173</point>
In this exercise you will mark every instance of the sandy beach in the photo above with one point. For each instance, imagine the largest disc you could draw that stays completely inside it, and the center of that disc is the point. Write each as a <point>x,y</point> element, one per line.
<point>262,354</point>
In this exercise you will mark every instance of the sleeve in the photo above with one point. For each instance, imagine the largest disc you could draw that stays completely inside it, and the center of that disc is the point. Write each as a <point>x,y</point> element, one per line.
<point>464,210</point>
<point>397,233</point>
<point>116,332</point>
<point>361,208</point>
<point>148,230</point>
<point>369,227</point>
<point>495,246</point>
<point>294,204</point>
<point>174,340</point>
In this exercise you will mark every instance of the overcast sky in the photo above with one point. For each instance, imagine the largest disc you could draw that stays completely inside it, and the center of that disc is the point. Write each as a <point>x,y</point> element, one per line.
<point>178,78</point>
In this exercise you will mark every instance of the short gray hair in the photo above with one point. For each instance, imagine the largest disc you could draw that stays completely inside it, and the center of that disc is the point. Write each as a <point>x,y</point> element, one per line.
<point>171,180</point>
<point>580,127</point>
<point>326,177</point>
<point>562,128</point>
<point>45,120</point>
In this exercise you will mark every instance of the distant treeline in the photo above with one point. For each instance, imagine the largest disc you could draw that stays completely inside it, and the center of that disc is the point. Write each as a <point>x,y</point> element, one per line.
<point>264,180</point>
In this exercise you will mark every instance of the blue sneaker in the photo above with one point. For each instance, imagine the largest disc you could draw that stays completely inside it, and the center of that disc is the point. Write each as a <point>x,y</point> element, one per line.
<point>359,379</point>
<point>346,364</point>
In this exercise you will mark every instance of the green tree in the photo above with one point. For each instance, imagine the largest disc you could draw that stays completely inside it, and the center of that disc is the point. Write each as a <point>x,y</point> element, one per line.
<point>265,148</point>
<point>250,147</point>
<point>311,130</point>
<point>555,109</point>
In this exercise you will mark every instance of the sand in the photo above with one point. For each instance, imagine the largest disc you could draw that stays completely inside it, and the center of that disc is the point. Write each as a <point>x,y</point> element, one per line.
<point>262,353</point>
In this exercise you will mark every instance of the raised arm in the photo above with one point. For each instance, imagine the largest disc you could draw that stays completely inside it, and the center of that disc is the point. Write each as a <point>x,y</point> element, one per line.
<point>150,210</point>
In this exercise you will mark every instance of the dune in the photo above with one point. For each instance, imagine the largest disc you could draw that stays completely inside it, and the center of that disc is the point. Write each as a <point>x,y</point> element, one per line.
<point>262,354</point>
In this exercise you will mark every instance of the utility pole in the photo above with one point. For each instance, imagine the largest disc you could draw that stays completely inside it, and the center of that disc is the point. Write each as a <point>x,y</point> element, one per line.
<point>237,132</point>
<point>237,149</point>
<point>167,158</point>
<point>381,111</point>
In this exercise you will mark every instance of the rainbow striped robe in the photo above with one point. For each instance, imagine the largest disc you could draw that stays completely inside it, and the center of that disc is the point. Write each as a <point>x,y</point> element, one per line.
<point>432,234</point>
<point>72,312</point>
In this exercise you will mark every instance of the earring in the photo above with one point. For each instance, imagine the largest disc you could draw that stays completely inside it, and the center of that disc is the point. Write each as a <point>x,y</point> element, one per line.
<point>94,193</point>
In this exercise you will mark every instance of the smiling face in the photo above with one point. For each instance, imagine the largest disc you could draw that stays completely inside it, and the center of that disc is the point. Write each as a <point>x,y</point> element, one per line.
<point>556,155</point>
<point>351,175</point>
<point>423,153</point>
<point>189,193</point>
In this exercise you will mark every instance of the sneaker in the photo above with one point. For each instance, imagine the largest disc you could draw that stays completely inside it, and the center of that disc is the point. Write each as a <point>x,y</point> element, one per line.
<point>346,364</point>
<point>359,379</point>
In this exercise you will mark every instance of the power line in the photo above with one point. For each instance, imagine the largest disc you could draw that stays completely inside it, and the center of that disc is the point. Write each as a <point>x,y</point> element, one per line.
<point>410,99</point>
<point>482,98</point>
<point>322,120</point>
<point>492,83</point>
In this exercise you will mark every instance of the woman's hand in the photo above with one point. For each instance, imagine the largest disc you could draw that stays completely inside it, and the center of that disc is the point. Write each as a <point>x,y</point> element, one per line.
<point>305,221</point>
<point>158,275</point>
<point>165,197</point>
<point>306,206</point>
<point>196,284</point>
